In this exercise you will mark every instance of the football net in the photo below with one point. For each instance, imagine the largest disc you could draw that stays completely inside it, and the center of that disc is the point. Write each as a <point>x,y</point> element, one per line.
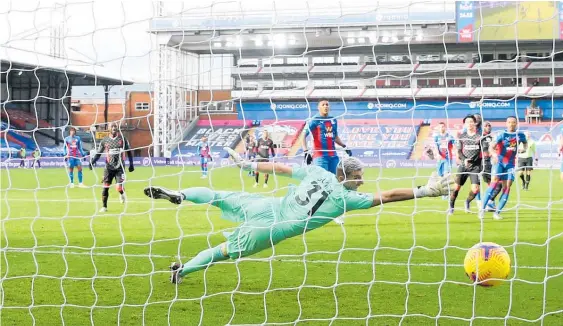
<point>64,262</point>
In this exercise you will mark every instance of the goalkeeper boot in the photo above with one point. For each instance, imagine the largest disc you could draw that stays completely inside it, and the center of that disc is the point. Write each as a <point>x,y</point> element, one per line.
<point>174,197</point>
<point>81,185</point>
<point>72,185</point>
<point>103,209</point>
<point>175,268</point>
<point>496,216</point>
<point>339,220</point>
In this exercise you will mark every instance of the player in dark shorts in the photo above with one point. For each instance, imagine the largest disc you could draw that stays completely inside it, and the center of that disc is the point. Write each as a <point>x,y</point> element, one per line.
<point>114,146</point>
<point>469,160</point>
<point>526,161</point>
<point>250,149</point>
<point>487,165</point>
<point>264,146</point>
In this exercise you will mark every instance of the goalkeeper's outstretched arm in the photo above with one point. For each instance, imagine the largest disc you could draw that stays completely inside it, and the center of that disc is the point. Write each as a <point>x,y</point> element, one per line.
<point>262,167</point>
<point>436,186</point>
<point>393,195</point>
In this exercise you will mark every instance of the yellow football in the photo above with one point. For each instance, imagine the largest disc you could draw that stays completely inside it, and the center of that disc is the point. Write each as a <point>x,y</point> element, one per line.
<point>487,264</point>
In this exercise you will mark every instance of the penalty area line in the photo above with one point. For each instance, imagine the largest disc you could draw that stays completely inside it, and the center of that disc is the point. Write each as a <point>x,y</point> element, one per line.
<point>283,260</point>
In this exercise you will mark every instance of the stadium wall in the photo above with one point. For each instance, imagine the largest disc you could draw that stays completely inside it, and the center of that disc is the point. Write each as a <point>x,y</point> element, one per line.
<point>139,122</point>
<point>492,109</point>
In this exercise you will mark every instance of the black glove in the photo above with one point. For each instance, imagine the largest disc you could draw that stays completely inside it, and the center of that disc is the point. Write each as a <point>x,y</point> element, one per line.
<point>349,152</point>
<point>430,153</point>
<point>308,158</point>
<point>131,168</point>
<point>66,159</point>
<point>210,159</point>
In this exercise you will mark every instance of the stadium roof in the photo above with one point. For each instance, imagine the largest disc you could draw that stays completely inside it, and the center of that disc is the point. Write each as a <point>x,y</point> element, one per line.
<point>115,92</point>
<point>17,59</point>
<point>228,27</point>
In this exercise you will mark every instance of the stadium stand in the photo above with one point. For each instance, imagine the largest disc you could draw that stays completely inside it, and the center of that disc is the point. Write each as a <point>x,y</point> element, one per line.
<point>23,120</point>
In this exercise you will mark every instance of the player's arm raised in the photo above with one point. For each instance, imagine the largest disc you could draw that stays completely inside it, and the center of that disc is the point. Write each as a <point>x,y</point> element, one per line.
<point>436,186</point>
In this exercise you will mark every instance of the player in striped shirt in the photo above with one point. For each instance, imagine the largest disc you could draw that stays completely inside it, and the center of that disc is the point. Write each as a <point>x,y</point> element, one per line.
<point>73,154</point>
<point>324,129</point>
<point>444,147</point>
<point>204,152</point>
<point>503,150</point>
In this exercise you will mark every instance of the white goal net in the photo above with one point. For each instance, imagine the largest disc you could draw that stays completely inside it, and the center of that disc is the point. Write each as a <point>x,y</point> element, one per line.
<point>182,80</point>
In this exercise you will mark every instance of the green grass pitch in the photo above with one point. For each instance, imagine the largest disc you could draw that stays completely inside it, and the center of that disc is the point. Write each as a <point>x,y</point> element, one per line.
<point>61,260</point>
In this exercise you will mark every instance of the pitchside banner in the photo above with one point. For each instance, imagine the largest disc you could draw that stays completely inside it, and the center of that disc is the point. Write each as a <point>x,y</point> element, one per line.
<point>406,109</point>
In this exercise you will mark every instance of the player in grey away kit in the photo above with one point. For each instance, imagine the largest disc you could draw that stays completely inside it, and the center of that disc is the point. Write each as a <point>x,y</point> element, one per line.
<point>263,148</point>
<point>114,146</point>
<point>469,160</point>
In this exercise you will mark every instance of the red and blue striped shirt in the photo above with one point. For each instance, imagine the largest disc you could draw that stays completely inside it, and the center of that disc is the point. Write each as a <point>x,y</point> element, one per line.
<point>507,146</point>
<point>324,131</point>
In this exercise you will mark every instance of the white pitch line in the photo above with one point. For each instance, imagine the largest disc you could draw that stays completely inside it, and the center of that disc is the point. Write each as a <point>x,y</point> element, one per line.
<point>385,263</point>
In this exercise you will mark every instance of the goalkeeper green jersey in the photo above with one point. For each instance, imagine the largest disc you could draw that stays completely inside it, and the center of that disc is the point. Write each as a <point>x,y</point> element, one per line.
<point>317,200</point>
<point>530,152</point>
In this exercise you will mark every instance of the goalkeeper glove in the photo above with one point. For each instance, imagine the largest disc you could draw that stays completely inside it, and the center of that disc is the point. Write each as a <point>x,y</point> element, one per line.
<point>436,186</point>
<point>239,161</point>
<point>131,168</point>
<point>175,268</point>
<point>430,153</point>
<point>308,157</point>
<point>349,152</point>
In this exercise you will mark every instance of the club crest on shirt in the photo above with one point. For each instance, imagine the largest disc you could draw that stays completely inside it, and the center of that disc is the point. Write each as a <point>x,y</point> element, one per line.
<point>328,128</point>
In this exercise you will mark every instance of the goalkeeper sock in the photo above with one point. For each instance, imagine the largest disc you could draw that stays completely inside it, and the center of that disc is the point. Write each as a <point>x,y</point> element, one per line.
<point>528,178</point>
<point>202,260</point>
<point>80,176</point>
<point>199,195</point>
<point>503,199</point>
<point>266,178</point>
<point>71,176</point>
<point>522,178</point>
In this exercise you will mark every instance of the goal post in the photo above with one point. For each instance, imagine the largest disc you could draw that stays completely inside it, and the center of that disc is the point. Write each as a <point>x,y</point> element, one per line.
<point>177,73</point>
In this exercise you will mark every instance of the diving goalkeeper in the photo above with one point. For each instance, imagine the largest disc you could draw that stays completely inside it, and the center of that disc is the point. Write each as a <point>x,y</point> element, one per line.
<point>319,197</point>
